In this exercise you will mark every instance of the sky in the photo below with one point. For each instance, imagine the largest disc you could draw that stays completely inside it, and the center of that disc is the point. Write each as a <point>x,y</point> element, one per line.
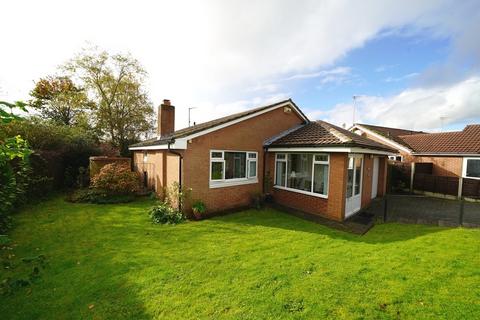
<point>410,64</point>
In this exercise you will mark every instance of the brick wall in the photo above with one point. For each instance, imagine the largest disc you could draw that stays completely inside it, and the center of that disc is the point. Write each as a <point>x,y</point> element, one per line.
<point>442,166</point>
<point>248,135</point>
<point>367,180</point>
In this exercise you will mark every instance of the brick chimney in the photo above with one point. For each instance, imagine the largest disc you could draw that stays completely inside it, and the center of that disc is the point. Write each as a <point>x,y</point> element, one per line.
<point>166,118</point>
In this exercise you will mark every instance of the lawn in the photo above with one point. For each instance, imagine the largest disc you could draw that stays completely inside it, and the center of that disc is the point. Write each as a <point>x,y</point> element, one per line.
<point>110,262</point>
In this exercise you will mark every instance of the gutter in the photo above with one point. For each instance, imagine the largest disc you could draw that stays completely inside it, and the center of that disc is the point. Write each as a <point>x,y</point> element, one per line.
<point>179,170</point>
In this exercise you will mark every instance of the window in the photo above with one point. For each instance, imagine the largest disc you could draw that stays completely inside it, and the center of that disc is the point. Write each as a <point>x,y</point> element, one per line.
<point>232,167</point>
<point>395,158</point>
<point>471,168</point>
<point>305,172</point>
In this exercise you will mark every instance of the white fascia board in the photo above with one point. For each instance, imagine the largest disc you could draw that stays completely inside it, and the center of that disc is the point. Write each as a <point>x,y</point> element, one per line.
<point>382,138</point>
<point>179,144</point>
<point>331,149</point>
<point>224,125</point>
<point>373,151</point>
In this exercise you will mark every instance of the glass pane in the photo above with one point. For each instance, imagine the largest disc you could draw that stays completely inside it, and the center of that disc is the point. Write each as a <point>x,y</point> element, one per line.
<point>320,179</point>
<point>217,155</point>
<point>350,181</point>
<point>252,169</point>
<point>252,155</point>
<point>321,157</point>
<point>473,168</point>
<point>280,173</point>
<point>235,165</point>
<point>280,156</point>
<point>358,174</point>
<point>299,171</point>
<point>217,170</point>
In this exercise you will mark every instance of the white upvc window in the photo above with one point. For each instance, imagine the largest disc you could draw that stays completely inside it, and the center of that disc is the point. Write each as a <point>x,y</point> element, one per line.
<point>471,168</point>
<point>231,167</point>
<point>303,172</point>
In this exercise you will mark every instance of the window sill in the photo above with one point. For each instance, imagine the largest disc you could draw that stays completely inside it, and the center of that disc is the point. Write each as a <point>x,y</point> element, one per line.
<point>476,178</point>
<point>303,192</point>
<point>226,183</point>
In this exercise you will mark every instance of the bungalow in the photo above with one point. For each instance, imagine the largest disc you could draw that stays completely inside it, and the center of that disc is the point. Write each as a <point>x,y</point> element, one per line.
<point>455,153</point>
<point>311,166</point>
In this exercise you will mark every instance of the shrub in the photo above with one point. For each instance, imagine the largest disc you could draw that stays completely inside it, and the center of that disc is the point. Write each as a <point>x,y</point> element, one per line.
<point>116,179</point>
<point>165,214</point>
<point>98,197</point>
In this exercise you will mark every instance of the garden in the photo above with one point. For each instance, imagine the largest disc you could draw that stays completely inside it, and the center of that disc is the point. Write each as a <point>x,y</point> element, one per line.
<point>69,260</point>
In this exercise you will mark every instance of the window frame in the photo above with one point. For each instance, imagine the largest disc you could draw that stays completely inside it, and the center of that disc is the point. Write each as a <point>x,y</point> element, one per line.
<point>218,183</point>
<point>314,162</point>
<point>464,167</point>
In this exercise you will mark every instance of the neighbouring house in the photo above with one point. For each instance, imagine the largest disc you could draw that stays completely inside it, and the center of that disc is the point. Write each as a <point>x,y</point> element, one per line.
<point>311,166</point>
<point>455,153</point>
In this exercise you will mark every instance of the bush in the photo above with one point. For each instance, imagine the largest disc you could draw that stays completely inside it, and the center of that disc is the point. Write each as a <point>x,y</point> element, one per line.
<point>165,214</point>
<point>116,179</point>
<point>64,148</point>
<point>98,197</point>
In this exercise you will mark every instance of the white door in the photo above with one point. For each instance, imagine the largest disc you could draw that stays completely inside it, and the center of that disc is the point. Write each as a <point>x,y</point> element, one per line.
<point>375,177</point>
<point>354,184</point>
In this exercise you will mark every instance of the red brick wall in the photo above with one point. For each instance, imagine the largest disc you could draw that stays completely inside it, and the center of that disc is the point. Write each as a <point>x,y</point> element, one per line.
<point>367,180</point>
<point>442,166</point>
<point>382,176</point>
<point>248,135</point>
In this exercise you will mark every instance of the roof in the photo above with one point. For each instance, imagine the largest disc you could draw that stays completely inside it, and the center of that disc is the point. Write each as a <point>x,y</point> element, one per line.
<point>323,134</point>
<point>391,133</point>
<point>211,124</point>
<point>466,141</point>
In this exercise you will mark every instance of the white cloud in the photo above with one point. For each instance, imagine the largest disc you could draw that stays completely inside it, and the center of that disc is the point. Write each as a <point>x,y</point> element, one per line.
<point>402,78</point>
<point>208,53</point>
<point>418,108</point>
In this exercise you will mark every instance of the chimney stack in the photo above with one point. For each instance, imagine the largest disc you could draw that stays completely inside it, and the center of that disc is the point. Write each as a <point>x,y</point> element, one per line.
<point>166,119</point>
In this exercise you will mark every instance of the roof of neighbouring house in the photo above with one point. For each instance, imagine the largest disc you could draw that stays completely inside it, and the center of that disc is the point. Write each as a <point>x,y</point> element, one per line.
<point>391,133</point>
<point>466,141</point>
<point>211,124</point>
<point>320,133</point>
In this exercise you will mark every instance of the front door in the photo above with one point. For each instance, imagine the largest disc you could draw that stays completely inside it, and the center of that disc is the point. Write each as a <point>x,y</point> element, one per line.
<point>354,184</point>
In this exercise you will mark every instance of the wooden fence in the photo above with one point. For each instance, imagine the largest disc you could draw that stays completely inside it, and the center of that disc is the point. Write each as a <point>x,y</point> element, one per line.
<point>400,179</point>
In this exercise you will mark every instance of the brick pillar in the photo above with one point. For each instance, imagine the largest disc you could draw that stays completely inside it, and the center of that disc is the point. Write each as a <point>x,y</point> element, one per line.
<point>337,184</point>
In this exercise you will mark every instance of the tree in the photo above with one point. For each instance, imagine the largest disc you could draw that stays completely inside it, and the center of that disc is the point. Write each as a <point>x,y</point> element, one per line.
<point>59,99</point>
<point>122,110</point>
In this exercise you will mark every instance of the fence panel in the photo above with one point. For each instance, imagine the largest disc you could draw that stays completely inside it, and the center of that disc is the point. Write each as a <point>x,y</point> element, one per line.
<point>471,188</point>
<point>436,184</point>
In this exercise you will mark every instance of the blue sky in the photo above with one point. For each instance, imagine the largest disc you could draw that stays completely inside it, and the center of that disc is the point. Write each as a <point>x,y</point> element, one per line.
<point>410,62</point>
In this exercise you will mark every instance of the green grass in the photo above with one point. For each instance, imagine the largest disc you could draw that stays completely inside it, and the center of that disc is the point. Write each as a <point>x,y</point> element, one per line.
<point>110,262</point>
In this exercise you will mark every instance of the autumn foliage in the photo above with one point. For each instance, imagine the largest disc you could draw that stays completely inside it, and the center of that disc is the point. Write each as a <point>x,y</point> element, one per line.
<point>116,179</point>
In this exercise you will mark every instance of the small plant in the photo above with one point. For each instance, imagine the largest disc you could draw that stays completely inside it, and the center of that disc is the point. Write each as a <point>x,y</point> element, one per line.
<point>164,213</point>
<point>199,209</point>
<point>175,196</point>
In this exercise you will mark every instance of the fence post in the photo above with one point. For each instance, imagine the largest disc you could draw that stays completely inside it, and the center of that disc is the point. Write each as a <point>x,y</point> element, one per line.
<point>412,176</point>
<point>460,186</point>
<point>462,209</point>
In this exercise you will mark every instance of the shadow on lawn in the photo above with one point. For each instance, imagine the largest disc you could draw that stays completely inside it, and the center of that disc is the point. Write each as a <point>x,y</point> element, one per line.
<point>381,233</point>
